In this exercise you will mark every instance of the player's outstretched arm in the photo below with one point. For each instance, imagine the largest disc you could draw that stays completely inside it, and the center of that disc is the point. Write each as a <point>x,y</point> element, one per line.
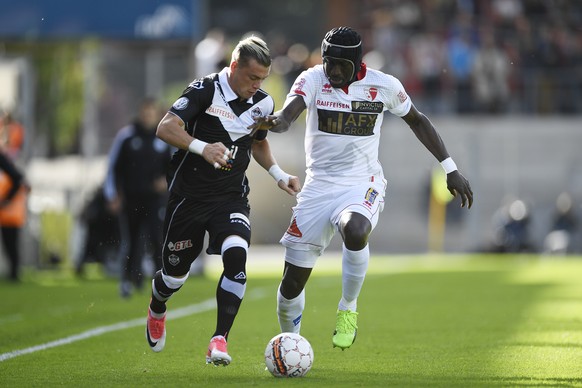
<point>282,119</point>
<point>425,131</point>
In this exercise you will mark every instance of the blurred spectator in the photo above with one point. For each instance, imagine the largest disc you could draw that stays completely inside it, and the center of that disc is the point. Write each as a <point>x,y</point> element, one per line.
<point>11,136</point>
<point>491,76</point>
<point>540,39</point>
<point>13,190</point>
<point>511,226</point>
<point>529,66</point>
<point>210,53</point>
<point>135,188</point>
<point>556,60</point>
<point>560,239</point>
<point>503,15</point>
<point>102,241</point>
<point>461,55</point>
<point>429,61</point>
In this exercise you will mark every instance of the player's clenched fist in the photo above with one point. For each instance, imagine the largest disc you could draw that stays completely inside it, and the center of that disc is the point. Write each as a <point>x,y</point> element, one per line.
<point>216,154</point>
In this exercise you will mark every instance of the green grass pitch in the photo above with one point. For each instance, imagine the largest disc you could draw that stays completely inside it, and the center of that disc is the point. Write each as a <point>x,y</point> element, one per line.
<point>459,320</point>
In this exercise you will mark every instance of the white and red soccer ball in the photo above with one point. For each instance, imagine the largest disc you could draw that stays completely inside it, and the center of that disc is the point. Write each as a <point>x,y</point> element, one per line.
<point>288,355</point>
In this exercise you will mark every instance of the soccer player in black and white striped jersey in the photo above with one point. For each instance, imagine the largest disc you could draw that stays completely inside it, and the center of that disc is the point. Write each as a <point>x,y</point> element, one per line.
<point>209,125</point>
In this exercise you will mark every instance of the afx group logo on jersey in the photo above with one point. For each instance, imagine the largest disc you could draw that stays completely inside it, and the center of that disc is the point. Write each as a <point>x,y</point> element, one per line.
<point>179,245</point>
<point>346,123</point>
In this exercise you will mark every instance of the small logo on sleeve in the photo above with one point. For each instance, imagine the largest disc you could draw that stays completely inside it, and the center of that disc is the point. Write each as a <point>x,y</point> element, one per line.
<point>181,103</point>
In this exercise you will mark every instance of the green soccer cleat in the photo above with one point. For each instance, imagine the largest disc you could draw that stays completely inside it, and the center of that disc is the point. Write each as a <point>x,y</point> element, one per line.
<point>346,328</point>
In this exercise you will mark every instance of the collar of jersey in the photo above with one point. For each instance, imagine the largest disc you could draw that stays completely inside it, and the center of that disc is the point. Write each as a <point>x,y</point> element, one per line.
<point>361,74</point>
<point>229,94</point>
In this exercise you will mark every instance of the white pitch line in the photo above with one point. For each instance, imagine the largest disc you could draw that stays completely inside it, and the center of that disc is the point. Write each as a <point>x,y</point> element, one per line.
<point>207,305</point>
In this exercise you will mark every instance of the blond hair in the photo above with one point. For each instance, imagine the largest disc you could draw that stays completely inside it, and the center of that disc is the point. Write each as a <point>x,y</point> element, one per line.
<point>249,48</point>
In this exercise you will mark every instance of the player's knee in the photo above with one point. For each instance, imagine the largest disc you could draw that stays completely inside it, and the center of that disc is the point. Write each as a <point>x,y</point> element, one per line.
<point>355,241</point>
<point>234,262</point>
<point>355,230</point>
<point>293,281</point>
<point>234,241</point>
<point>163,286</point>
<point>234,258</point>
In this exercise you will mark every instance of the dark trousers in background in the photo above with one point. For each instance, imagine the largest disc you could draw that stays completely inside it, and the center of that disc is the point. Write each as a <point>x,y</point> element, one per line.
<point>10,239</point>
<point>141,234</point>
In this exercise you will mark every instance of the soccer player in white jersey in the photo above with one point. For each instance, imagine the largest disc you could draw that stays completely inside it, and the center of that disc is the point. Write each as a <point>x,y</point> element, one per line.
<point>345,186</point>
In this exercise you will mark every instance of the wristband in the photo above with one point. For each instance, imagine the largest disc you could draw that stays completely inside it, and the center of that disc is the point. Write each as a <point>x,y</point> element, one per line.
<point>197,146</point>
<point>278,174</point>
<point>449,165</point>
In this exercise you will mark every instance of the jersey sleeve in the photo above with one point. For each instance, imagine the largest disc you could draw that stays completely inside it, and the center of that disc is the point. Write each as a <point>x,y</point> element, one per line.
<point>397,100</point>
<point>195,99</point>
<point>304,86</point>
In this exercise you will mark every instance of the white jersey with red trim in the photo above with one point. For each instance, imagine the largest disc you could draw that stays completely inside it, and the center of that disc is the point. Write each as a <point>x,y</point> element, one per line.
<point>343,125</point>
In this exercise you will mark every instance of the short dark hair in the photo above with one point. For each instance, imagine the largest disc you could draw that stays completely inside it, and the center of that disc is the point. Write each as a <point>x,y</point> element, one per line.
<point>249,48</point>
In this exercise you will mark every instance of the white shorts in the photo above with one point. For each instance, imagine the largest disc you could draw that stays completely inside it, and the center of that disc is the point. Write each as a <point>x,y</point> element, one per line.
<point>320,206</point>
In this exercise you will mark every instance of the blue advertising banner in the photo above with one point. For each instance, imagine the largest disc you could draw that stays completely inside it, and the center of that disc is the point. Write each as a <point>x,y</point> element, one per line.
<point>125,19</point>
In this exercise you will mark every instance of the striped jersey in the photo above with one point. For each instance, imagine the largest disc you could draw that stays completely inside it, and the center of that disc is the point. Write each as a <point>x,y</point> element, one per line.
<point>212,112</point>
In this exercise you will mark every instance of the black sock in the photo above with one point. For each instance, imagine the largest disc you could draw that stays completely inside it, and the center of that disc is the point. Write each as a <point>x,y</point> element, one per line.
<point>231,288</point>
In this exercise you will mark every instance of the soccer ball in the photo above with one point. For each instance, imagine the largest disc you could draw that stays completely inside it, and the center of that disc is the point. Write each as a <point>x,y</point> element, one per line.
<point>288,355</point>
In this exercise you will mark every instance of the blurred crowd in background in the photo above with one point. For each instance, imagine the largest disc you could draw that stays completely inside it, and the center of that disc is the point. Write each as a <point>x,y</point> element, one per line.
<point>455,57</point>
<point>474,56</point>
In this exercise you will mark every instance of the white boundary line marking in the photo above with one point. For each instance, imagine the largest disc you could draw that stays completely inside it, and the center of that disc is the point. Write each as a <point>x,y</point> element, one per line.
<point>204,306</point>
<point>178,313</point>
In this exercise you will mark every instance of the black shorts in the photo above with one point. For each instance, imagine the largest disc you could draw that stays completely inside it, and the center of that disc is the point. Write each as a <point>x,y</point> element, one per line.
<point>187,222</point>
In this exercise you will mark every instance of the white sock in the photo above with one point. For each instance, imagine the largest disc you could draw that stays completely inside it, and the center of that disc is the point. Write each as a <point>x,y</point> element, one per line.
<point>354,267</point>
<point>290,311</point>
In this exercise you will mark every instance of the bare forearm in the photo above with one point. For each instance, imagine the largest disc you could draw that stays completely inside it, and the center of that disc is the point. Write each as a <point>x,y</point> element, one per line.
<point>427,134</point>
<point>286,116</point>
<point>261,151</point>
